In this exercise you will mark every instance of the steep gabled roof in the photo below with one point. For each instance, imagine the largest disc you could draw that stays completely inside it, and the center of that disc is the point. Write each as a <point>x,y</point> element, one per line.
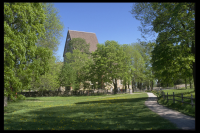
<point>88,36</point>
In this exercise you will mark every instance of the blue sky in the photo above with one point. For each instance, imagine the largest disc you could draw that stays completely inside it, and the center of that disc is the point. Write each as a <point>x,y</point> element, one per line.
<point>109,21</point>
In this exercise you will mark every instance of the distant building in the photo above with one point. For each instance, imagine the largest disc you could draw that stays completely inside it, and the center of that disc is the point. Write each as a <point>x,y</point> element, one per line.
<point>89,38</point>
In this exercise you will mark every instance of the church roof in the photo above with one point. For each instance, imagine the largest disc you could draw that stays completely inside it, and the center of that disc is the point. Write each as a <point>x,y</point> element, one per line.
<point>88,36</point>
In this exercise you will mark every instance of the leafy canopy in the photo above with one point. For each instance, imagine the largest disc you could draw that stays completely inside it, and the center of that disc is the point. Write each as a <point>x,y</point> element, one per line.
<point>23,25</point>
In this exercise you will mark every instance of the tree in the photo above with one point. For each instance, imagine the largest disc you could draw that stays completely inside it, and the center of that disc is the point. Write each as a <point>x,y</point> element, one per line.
<point>97,67</point>
<point>174,23</point>
<point>80,44</point>
<point>145,14</point>
<point>145,50</point>
<point>109,63</point>
<point>49,81</point>
<point>77,55</point>
<point>169,67</point>
<point>23,25</point>
<point>53,28</point>
<point>68,76</point>
<point>139,66</point>
<point>127,78</point>
<point>77,61</point>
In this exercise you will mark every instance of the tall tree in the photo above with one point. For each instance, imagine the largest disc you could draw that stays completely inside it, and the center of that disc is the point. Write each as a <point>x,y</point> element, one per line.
<point>77,55</point>
<point>109,63</point>
<point>127,78</point>
<point>49,80</point>
<point>68,76</point>
<point>77,60</point>
<point>175,24</point>
<point>53,27</point>
<point>23,25</point>
<point>139,66</point>
<point>145,14</point>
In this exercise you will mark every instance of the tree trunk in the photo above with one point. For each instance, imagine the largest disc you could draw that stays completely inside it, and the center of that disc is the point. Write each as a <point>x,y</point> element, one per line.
<point>194,63</point>
<point>125,87</point>
<point>190,83</point>
<point>151,85</point>
<point>149,88</point>
<point>102,82</point>
<point>158,83</point>
<point>128,86</point>
<point>115,86</point>
<point>5,101</point>
<point>133,84</point>
<point>185,84</point>
<point>194,73</point>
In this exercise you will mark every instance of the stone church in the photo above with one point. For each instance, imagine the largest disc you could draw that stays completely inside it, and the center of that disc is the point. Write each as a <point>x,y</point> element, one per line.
<point>92,40</point>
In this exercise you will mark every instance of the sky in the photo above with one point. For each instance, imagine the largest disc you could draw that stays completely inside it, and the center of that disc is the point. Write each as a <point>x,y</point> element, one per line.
<point>109,21</point>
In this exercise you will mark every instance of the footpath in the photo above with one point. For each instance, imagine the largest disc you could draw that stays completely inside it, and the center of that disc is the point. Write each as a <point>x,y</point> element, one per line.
<point>182,121</point>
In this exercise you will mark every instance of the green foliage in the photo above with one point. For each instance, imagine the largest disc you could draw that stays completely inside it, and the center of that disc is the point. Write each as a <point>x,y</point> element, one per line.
<point>79,61</point>
<point>175,44</point>
<point>169,84</point>
<point>79,44</point>
<point>21,97</point>
<point>145,14</point>
<point>127,77</point>
<point>158,93</point>
<point>138,63</point>
<point>23,26</point>
<point>179,81</point>
<point>68,76</point>
<point>109,63</point>
<point>53,28</point>
<point>49,80</point>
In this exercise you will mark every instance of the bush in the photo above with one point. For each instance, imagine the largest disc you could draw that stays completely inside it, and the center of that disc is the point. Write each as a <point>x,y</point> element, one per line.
<point>147,90</point>
<point>12,98</point>
<point>157,93</point>
<point>21,97</point>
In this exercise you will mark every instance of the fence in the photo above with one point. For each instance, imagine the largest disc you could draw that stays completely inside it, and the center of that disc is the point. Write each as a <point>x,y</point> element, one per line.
<point>178,100</point>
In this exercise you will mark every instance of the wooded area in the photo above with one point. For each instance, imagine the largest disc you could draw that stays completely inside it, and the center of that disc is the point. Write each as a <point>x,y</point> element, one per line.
<point>32,32</point>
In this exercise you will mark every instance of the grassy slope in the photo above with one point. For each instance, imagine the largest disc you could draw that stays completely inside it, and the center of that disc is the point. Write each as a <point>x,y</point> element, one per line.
<point>119,112</point>
<point>183,108</point>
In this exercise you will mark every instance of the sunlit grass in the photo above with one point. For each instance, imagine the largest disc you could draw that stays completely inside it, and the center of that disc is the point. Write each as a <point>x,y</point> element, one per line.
<point>112,112</point>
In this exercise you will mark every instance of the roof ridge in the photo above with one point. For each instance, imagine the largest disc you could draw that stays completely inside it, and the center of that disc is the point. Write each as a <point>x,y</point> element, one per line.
<point>81,31</point>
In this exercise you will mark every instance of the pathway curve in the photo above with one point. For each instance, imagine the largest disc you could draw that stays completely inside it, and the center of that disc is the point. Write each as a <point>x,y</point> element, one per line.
<point>182,121</point>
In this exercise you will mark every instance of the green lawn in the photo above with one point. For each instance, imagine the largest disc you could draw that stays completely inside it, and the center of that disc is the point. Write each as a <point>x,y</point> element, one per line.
<point>112,112</point>
<point>183,108</point>
<point>178,91</point>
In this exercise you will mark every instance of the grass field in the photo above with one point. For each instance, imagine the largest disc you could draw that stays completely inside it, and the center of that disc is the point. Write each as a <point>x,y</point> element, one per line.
<point>183,108</point>
<point>113,112</point>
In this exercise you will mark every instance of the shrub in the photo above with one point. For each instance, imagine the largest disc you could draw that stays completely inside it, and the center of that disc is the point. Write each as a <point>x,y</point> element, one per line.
<point>21,97</point>
<point>157,93</point>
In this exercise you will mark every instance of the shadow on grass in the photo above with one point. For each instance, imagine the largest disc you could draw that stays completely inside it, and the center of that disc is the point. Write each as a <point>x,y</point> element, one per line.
<point>114,101</point>
<point>133,115</point>
<point>32,99</point>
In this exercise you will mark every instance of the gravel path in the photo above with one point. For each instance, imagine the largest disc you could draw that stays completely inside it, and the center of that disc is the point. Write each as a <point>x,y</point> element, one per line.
<point>182,121</point>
